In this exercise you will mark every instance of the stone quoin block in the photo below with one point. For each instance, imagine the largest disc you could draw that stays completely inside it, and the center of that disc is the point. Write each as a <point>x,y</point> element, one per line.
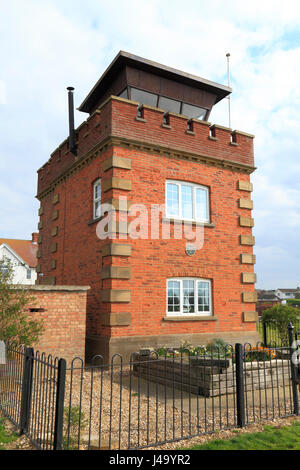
<point>116,249</point>
<point>54,231</point>
<point>116,319</point>
<point>55,215</point>
<point>119,204</point>
<point>245,186</point>
<point>53,264</point>
<point>250,317</point>
<point>247,240</point>
<point>249,297</point>
<point>116,272</point>
<point>246,222</point>
<point>117,162</point>
<point>116,183</point>
<point>248,259</point>
<point>249,278</point>
<point>53,248</point>
<point>245,203</point>
<point>55,199</point>
<point>116,295</point>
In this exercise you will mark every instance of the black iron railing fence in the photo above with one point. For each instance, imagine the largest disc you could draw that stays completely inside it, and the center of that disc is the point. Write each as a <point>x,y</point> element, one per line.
<point>148,401</point>
<point>272,335</point>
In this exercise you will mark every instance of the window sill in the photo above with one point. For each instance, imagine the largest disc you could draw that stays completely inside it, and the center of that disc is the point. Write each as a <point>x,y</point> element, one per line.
<point>192,222</point>
<point>94,221</point>
<point>191,318</point>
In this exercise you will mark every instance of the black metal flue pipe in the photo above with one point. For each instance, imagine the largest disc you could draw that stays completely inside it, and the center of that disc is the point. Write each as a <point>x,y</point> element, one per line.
<point>72,135</point>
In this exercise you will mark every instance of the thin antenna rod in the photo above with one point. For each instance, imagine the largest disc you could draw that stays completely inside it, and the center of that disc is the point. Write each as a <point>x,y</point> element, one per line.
<point>228,97</point>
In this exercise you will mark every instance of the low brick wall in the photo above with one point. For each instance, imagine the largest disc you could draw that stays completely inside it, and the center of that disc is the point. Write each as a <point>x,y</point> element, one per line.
<point>63,309</point>
<point>211,378</point>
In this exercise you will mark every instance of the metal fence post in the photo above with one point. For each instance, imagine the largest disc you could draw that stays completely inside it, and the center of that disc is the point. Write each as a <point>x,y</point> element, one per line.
<point>239,375</point>
<point>294,371</point>
<point>59,406</point>
<point>264,324</point>
<point>26,390</point>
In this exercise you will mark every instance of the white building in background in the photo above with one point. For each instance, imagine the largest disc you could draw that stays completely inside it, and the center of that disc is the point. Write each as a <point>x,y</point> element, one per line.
<point>22,255</point>
<point>285,294</point>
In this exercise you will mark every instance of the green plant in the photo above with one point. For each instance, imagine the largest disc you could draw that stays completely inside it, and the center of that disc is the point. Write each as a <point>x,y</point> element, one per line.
<point>218,347</point>
<point>187,347</point>
<point>14,322</point>
<point>74,420</point>
<point>280,316</point>
<point>259,354</point>
<point>6,437</point>
<point>293,302</point>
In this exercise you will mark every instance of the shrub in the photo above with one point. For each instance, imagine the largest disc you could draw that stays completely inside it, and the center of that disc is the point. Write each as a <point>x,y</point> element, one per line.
<point>280,316</point>
<point>218,347</point>
<point>14,322</point>
<point>293,303</point>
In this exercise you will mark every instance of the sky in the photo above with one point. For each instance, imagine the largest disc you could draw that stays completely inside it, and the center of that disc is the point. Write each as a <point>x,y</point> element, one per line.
<point>48,45</point>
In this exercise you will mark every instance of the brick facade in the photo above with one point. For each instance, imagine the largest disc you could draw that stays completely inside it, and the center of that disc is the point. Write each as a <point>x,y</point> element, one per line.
<point>63,310</point>
<point>126,306</point>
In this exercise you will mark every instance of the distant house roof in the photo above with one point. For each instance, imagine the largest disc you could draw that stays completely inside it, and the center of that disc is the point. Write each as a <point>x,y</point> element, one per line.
<point>290,290</point>
<point>267,295</point>
<point>25,249</point>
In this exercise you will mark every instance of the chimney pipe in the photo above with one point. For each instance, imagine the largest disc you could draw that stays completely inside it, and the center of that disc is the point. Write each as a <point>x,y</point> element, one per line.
<point>72,135</point>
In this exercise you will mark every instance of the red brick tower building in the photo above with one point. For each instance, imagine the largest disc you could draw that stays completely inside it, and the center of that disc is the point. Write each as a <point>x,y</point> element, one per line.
<point>148,141</point>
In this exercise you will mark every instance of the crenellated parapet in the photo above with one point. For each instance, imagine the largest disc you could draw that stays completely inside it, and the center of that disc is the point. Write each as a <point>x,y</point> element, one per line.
<point>148,126</point>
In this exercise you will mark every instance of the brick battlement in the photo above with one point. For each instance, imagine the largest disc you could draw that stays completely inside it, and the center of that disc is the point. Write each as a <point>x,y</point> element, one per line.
<point>117,118</point>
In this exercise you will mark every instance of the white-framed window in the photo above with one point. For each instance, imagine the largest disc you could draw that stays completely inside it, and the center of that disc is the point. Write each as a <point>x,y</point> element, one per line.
<point>189,296</point>
<point>187,201</point>
<point>28,273</point>
<point>97,199</point>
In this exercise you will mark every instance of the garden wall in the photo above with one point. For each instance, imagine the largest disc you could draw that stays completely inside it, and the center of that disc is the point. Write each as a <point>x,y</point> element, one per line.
<point>63,309</point>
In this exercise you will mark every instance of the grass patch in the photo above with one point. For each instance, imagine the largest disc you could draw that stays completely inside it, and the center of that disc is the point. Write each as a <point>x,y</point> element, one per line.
<point>5,436</point>
<point>285,438</point>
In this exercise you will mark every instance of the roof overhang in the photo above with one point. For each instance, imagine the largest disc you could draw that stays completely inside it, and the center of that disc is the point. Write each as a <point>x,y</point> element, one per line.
<point>125,58</point>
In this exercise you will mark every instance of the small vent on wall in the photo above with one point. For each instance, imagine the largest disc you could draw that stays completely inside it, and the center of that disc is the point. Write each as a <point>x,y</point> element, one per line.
<point>34,310</point>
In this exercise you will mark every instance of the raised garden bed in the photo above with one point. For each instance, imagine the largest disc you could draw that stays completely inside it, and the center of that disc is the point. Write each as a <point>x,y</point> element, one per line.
<point>208,376</point>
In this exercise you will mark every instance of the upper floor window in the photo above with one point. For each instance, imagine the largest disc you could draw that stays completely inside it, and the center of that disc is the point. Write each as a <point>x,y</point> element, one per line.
<point>187,201</point>
<point>97,199</point>
<point>169,105</point>
<point>189,296</point>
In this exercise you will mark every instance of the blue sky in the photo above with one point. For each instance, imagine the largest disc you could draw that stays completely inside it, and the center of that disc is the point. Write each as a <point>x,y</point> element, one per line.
<point>49,45</point>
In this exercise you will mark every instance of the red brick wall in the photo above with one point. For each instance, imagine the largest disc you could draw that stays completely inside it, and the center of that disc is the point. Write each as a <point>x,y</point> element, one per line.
<point>64,317</point>
<point>78,257</point>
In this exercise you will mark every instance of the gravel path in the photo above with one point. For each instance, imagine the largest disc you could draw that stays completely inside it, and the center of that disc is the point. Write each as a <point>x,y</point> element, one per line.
<point>131,413</point>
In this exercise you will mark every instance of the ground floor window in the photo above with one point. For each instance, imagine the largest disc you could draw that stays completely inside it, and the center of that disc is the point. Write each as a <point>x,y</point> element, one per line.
<point>189,296</point>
